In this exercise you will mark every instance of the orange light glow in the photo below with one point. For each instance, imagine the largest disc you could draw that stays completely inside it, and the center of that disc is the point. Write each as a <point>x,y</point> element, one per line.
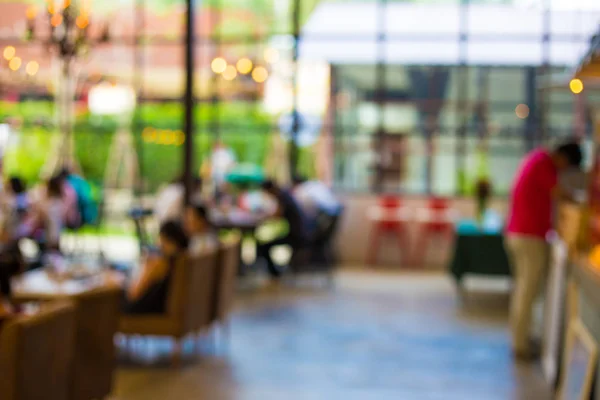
<point>260,74</point>
<point>576,86</point>
<point>522,111</point>
<point>218,65</point>
<point>230,73</point>
<point>9,52</point>
<point>82,22</point>
<point>244,66</point>
<point>15,63</point>
<point>31,12</point>
<point>56,20</point>
<point>32,68</point>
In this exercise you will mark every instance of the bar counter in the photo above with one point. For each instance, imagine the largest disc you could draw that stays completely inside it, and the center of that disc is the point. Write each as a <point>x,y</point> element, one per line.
<point>584,300</point>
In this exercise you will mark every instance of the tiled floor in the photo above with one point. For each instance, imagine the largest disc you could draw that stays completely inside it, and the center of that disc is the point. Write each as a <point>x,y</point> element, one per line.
<point>375,336</point>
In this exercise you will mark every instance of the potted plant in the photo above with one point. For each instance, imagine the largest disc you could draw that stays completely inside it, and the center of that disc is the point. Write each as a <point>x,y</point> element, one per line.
<point>483,192</point>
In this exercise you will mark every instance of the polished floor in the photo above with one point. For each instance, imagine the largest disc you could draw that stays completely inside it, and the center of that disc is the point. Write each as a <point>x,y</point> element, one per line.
<point>374,336</point>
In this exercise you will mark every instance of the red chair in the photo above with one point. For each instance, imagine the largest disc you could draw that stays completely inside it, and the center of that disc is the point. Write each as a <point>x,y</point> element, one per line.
<point>386,220</point>
<point>437,220</point>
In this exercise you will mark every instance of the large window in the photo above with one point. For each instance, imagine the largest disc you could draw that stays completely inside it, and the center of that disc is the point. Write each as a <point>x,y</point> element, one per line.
<point>466,88</point>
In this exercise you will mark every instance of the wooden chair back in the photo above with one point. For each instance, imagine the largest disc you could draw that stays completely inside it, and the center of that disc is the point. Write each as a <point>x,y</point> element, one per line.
<point>96,323</point>
<point>190,294</point>
<point>36,354</point>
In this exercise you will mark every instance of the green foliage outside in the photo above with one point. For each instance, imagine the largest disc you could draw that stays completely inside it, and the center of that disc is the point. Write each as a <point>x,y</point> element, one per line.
<point>241,126</point>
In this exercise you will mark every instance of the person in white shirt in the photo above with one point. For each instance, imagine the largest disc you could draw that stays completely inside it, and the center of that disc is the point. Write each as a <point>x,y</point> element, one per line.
<point>169,205</point>
<point>203,237</point>
<point>222,160</point>
<point>315,197</point>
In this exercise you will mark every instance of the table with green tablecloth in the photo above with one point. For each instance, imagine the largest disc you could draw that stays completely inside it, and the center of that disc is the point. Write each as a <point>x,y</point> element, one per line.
<point>478,251</point>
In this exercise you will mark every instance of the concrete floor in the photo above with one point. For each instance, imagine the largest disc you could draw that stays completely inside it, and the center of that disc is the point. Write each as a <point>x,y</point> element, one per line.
<point>375,336</point>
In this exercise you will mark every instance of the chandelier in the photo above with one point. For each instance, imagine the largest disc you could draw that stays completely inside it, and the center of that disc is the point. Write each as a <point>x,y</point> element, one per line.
<point>69,28</point>
<point>68,39</point>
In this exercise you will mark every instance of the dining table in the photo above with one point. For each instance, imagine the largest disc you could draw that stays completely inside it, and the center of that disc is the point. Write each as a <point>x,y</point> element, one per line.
<point>478,250</point>
<point>45,284</point>
<point>246,222</point>
<point>95,292</point>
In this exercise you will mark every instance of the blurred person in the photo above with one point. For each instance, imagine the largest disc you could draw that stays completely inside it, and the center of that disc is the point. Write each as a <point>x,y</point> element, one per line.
<point>222,160</point>
<point>72,215</point>
<point>315,197</point>
<point>54,211</point>
<point>169,204</point>
<point>18,193</point>
<point>148,292</point>
<point>87,208</point>
<point>201,233</point>
<point>299,233</point>
<point>530,220</point>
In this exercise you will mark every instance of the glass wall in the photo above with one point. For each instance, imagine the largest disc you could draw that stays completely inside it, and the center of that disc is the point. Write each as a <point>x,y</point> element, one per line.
<point>411,96</point>
<point>469,86</point>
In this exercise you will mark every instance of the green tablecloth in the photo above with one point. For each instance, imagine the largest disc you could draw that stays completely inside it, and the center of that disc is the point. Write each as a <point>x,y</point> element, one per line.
<point>478,251</point>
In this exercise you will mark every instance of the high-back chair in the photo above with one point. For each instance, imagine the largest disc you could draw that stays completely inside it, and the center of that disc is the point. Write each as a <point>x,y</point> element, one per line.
<point>188,304</point>
<point>36,354</point>
<point>97,321</point>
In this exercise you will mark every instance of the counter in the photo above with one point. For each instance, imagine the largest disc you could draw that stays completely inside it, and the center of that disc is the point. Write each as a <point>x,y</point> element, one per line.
<point>584,300</point>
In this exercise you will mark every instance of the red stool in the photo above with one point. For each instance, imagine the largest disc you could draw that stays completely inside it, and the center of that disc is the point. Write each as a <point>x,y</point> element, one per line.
<point>386,220</point>
<point>437,221</point>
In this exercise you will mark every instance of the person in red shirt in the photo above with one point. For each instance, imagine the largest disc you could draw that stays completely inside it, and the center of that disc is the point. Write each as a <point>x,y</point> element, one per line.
<point>529,222</point>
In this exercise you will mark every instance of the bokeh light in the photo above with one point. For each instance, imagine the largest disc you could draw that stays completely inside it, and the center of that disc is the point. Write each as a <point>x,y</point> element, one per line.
<point>522,111</point>
<point>218,65</point>
<point>9,52</point>
<point>32,68</point>
<point>260,74</point>
<point>15,63</point>
<point>230,73</point>
<point>576,86</point>
<point>31,12</point>
<point>244,66</point>
<point>56,20</point>
<point>82,22</point>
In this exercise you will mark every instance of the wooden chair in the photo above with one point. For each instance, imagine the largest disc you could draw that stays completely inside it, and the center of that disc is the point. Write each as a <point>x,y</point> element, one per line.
<point>225,279</point>
<point>188,306</point>
<point>96,323</point>
<point>36,354</point>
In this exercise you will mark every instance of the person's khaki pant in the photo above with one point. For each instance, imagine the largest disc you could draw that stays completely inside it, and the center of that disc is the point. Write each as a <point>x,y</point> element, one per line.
<point>529,257</point>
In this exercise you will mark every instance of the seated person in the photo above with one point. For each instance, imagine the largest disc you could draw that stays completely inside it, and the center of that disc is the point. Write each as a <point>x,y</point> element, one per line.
<point>53,212</point>
<point>315,197</point>
<point>148,292</point>
<point>87,210</point>
<point>72,216</point>
<point>203,237</point>
<point>299,233</point>
<point>18,194</point>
